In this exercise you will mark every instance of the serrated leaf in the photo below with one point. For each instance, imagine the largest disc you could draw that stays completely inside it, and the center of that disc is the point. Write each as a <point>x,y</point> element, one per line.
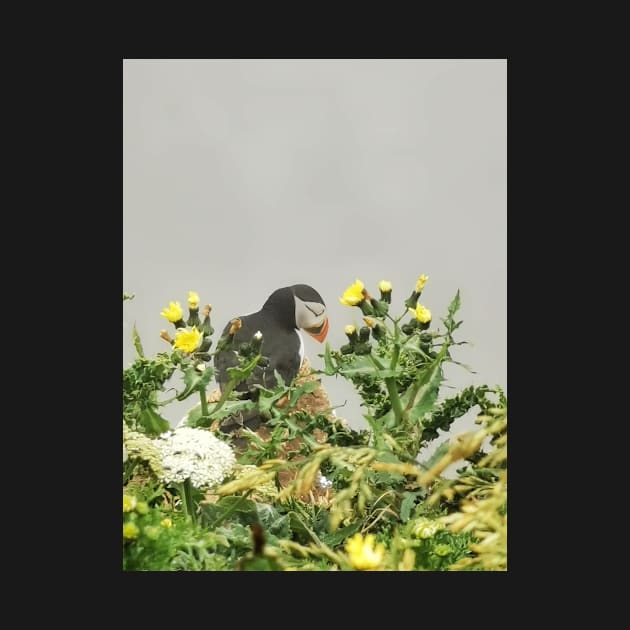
<point>195,381</point>
<point>453,307</point>
<point>241,373</point>
<point>231,407</point>
<point>421,396</point>
<point>272,522</point>
<point>153,421</point>
<point>363,366</point>
<point>193,417</point>
<point>136,341</point>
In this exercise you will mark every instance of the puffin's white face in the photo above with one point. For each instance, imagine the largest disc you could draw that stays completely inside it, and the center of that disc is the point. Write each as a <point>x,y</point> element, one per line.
<point>311,317</point>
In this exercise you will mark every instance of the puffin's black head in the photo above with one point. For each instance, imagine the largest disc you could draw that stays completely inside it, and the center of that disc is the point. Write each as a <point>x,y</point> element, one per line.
<point>300,306</point>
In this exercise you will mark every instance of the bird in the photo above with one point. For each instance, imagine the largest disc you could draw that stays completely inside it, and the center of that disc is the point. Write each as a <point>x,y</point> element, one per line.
<point>286,311</point>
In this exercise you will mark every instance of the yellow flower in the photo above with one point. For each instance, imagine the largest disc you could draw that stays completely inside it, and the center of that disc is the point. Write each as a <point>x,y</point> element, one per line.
<point>193,299</point>
<point>353,295</point>
<point>350,329</point>
<point>363,554</point>
<point>129,503</point>
<point>173,313</point>
<point>187,340</point>
<point>369,322</point>
<point>422,314</point>
<point>385,286</point>
<point>166,522</point>
<point>422,280</point>
<point>130,531</point>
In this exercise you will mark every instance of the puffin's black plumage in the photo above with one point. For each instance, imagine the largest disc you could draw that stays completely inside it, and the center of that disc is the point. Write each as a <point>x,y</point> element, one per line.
<point>285,311</point>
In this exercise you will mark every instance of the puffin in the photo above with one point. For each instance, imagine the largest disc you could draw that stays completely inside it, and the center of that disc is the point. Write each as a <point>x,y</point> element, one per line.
<point>286,312</point>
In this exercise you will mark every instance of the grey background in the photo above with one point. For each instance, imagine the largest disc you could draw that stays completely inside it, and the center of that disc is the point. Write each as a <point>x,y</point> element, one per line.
<point>242,176</point>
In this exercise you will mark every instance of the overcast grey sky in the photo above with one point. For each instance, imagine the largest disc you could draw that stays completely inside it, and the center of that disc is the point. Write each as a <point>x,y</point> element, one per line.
<point>243,176</point>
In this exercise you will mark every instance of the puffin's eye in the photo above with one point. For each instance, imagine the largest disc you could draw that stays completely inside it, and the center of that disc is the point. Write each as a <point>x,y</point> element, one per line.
<point>312,311</point>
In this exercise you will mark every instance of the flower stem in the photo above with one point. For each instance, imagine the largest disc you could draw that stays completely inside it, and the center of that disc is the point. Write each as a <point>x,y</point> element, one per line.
<point>188,505</point>
<point>390,382</point>
<point>204,403</point>
<point>392,388</point>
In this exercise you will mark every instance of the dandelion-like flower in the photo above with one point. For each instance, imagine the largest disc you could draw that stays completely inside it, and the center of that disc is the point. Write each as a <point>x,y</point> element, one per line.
<point>130,531</point>
<point>187,340</point>
<point>362,553</point>
<point>194,454</point>
<point>173,313</point>
<point>422,280</point>
<point>129,503</point>
<point>422,314</point>
<point>350,329</point>
<point>193,299</point>
<point>166,522</point>
<point>354,294</point>
<point>385,286</point>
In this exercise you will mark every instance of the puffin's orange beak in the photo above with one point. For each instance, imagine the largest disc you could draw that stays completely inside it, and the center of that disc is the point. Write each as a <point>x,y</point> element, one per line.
<point>319,333</point>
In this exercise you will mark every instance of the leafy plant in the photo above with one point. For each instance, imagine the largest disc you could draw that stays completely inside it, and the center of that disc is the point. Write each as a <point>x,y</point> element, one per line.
<point>307,491</point>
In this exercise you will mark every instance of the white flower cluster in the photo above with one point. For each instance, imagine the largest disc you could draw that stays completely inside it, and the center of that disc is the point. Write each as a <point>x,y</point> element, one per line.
<point>194,454</point>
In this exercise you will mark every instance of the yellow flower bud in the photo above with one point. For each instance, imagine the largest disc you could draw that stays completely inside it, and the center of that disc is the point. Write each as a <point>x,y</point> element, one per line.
<point>130,531</point>
<point>166,522</point>
<point>385,286</point>
<point>193,299</point>
<point>236,325</point>
<point>173,313</point>
<point>350,329</point>
<point>422,280</point>
<point>187,340</point>
<point>164,335</point>
<point>129,503</point>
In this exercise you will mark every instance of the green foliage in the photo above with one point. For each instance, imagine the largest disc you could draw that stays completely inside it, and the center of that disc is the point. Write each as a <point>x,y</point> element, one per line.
<point>312,494</point>
<point>142,381</point>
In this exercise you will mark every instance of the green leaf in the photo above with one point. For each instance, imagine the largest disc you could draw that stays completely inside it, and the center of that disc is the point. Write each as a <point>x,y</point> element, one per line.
<point>153,421</point>
<point>340,535</point>
<point>267,398</point>
<point>409,499</point>
<point>329,368</point>
<point>439,452</point>
<point>422,394</point>
<point>136,341</point>
<point>195,381</point>
<point>233,507</point>
<point>362,366</point>
<point>453,307</point>
<point>272,522</point>
<point>194,415</point>
<point>241,373</point>
<point>230,407</point>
